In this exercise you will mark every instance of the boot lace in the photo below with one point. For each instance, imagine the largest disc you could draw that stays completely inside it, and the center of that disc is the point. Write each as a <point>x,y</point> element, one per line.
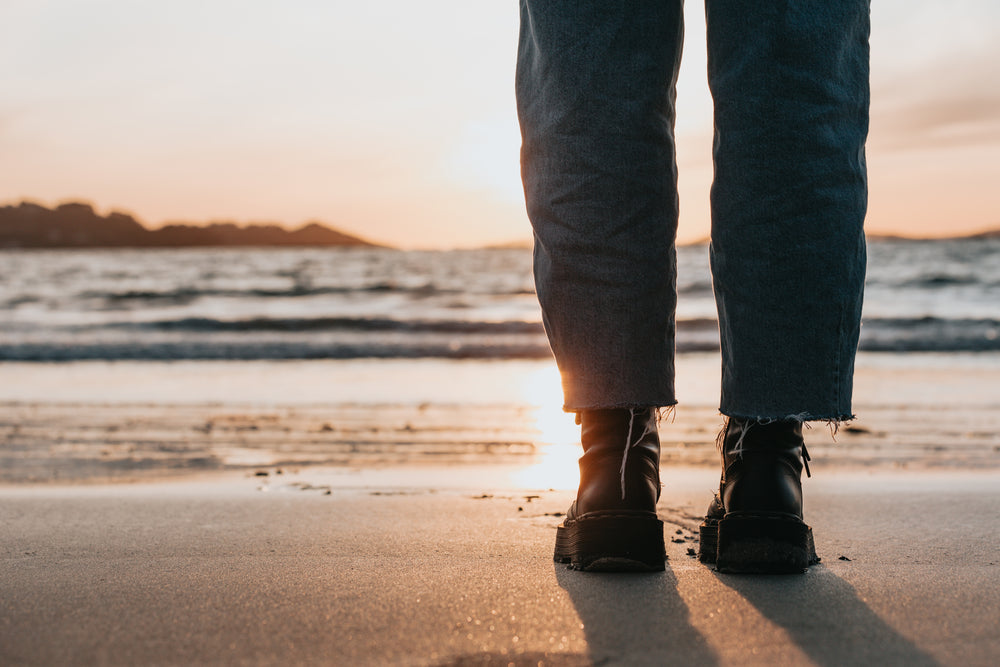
<point>648,427</point>
<point>744,428</point>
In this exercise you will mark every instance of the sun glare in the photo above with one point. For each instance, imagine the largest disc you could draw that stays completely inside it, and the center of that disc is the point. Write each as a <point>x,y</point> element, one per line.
<point>557,438</point>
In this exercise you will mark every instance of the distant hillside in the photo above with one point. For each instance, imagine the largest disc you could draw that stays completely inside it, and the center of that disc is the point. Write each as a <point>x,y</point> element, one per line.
<point>78,226</point>
<point>990,234</point>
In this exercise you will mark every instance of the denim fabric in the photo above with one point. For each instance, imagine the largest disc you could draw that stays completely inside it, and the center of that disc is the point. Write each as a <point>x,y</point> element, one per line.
<point>595,95</point>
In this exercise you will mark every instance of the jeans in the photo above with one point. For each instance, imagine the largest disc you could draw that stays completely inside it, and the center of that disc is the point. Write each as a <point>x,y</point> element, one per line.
<point>595,90</point>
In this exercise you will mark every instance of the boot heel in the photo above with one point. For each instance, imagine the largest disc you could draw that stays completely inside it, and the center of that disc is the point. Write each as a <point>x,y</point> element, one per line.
<point>708,541</point>
<point>612,542</point>
<point>764,545</point>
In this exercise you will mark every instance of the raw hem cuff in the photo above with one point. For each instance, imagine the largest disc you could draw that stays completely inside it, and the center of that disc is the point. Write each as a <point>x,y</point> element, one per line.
<point>800,417</point>
<point>620,406</point>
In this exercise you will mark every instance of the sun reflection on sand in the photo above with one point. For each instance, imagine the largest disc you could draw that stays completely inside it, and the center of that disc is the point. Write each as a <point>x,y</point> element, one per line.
<point>558,436</point>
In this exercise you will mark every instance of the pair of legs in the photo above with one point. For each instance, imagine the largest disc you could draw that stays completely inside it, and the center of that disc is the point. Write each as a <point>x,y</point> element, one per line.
<point>595,91</point>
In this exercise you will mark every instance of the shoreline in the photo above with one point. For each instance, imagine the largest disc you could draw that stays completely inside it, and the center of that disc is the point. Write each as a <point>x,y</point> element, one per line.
<point>881,379</point>
<point>89,422</point>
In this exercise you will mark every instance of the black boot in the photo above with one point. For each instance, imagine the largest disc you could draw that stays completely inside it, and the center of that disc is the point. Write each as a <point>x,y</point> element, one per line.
<point>754,524</point>
<point>612,525</point>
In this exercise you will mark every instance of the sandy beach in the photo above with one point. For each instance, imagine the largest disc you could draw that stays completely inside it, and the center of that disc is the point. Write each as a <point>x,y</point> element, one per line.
<point>404,513</point>
<point>453,567</point>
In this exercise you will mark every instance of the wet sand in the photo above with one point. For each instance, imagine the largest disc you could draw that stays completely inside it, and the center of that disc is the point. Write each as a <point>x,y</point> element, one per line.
<point>127,442</point>
<point>452,566</point>
<point>130,421</point>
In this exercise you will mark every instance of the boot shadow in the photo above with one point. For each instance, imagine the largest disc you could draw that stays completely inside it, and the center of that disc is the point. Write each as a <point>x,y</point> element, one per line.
<point>826,619</point>
<point>635,619</point>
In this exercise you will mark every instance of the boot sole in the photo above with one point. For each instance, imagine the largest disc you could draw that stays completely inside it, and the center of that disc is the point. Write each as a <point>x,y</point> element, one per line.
<point>612,541</point>
<point>757,544</point>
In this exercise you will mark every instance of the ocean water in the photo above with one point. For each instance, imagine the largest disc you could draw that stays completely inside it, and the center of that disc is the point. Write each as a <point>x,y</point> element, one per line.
<point>269,304</point>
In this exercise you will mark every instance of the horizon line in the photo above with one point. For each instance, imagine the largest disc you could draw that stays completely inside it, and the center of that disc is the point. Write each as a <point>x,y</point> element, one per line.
<point>518,243</point>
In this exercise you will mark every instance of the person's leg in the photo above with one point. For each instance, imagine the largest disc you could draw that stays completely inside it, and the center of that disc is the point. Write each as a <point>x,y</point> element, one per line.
<point>595,92</point>
<point>790,83</point>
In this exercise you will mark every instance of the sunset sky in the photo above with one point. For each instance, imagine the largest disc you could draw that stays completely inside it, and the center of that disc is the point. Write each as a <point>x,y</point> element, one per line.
<point>395,120</point>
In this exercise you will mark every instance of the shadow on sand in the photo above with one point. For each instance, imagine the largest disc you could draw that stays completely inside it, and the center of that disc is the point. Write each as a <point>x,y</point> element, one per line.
<point>635,619</point>
<point>826,619</point>
<point>641,619</point>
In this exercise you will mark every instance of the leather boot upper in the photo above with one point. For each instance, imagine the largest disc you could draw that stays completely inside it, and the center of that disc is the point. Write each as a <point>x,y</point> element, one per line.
<point>620,466</point>
<point>762,467</point>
